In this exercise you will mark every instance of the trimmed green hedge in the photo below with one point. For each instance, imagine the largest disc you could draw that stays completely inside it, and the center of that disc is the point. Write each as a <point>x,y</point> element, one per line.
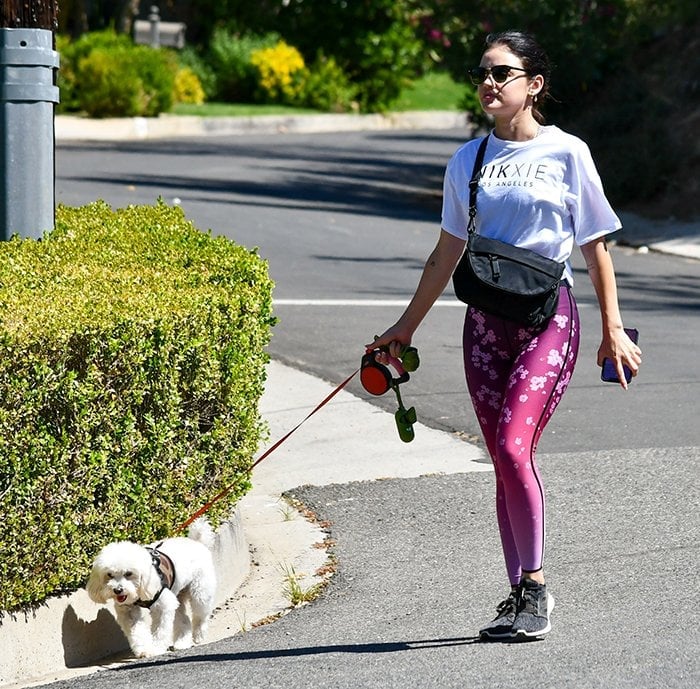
<point>105,75</point>
<point>132,360</point>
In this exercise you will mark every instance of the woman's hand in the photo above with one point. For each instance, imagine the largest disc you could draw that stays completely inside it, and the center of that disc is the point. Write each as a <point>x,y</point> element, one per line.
<point>616,345</point>
<point>395,338</point>
<point>619,348</point>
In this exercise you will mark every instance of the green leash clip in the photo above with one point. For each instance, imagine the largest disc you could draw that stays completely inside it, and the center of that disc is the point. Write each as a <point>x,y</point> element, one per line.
<point>405,418</point>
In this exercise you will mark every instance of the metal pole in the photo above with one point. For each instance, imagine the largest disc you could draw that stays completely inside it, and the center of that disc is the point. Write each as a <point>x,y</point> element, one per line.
<point>154,18</point>
<point>27,97</point>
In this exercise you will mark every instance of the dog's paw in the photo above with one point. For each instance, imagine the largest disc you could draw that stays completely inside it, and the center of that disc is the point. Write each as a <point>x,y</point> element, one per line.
<point>149,651</point>
<point>182,644</point>
<point>142,652</point>
<point>158,650</point>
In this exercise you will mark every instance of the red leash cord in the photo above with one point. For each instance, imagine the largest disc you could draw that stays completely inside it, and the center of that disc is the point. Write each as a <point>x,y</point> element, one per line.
<point>202,510</point>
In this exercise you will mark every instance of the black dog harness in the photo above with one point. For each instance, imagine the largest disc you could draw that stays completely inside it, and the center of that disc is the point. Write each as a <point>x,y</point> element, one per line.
<point>166,571</point>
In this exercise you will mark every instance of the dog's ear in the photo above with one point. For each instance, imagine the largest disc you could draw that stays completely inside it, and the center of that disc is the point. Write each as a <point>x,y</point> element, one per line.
<point>95,586</point>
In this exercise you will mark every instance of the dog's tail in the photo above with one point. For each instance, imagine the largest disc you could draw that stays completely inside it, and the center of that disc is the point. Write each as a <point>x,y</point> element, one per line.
<point>200,530</point>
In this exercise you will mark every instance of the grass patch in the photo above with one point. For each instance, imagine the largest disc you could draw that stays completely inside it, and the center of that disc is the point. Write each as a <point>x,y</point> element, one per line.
<point>434,91</point>
<point>237,110</point>
<point>297,594</point>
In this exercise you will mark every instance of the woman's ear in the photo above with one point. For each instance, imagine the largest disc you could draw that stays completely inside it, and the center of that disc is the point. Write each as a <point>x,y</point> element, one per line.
<point>536,85</point>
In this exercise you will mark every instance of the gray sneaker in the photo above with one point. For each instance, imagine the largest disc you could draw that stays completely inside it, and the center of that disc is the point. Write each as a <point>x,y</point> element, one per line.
<point>501,627</point>
<point>534,607</point>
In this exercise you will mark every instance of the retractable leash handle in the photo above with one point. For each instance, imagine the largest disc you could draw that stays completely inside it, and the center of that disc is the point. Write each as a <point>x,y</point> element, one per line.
<point>377,379</point>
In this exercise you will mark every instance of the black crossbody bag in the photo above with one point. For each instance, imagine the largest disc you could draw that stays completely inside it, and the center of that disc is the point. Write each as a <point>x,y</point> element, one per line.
<point>501,279</point>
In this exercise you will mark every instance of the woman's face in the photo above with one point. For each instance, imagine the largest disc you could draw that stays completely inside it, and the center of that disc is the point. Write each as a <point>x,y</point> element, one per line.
<point>510,97</point>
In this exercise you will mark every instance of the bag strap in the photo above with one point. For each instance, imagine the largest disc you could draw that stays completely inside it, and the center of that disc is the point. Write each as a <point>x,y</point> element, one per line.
<point>474,184</point>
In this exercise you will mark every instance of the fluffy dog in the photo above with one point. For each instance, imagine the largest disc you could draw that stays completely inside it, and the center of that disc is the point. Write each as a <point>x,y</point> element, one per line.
<point>162,579</point>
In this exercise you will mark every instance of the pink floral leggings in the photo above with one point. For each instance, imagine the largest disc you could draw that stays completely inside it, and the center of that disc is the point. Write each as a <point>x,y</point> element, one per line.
<point>516,377</point>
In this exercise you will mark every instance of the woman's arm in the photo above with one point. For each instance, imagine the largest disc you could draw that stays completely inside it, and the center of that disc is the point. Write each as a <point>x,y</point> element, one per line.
<point>436,274</point>
<point>615,344</point>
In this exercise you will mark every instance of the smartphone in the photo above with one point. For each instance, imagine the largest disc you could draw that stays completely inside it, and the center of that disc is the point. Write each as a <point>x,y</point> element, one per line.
<point>608,373</point>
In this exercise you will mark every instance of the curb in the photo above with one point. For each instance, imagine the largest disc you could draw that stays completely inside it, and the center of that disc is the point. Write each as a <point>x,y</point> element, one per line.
<point>674,237</point>
<point>71,128</point>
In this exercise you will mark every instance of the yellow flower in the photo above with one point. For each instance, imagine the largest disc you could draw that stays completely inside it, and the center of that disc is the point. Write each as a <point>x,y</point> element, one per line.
<point>277,68</point>
<point>187,87</point>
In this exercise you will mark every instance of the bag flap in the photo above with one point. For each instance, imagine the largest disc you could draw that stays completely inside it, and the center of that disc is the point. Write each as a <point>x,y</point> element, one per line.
<point>487,247</point>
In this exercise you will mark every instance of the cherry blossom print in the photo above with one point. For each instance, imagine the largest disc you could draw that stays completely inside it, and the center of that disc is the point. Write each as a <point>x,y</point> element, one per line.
<point>560,320</point>
<point>537,382</point>
<point>517,377</point>
<point>563,383</point>
<point>554,358</point>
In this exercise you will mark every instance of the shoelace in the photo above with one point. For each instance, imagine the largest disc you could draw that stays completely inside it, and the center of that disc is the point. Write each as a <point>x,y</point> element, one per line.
<point>510,604</point>
<point>529,601</point>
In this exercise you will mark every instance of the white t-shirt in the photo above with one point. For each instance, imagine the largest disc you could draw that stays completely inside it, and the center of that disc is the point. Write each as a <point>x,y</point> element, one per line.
<point>543,194</point>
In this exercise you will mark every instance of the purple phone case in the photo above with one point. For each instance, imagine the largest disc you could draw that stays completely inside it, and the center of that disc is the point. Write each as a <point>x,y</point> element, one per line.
<point>608,373</point>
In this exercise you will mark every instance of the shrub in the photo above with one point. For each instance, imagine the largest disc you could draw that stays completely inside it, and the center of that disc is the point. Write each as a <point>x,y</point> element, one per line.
<point>106,75</point>
<point>72,52</point>
<point>229,59</point>
<point>107,88</point>
<point>326,87</point>
<point>132,364</point>
<point>187,87</point>
<point>65,76</point>
<point>280,71</point>
<point>127,82</point>
<point>374,42</point>
<point>190,57</point>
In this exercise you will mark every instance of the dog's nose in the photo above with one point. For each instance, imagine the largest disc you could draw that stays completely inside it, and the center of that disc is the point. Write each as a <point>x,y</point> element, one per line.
<point>118,590</point>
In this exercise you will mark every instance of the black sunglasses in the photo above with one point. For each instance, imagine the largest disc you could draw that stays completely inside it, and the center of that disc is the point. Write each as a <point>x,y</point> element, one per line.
<point>500,73</point>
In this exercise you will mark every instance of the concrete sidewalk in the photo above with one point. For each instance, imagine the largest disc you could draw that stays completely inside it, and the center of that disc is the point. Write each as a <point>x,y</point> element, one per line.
<point>348,440</point>
<point>73,128</point>
<point>679,238</point>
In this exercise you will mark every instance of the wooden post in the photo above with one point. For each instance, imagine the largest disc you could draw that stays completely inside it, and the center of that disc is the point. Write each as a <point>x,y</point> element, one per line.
<point>29,14</point>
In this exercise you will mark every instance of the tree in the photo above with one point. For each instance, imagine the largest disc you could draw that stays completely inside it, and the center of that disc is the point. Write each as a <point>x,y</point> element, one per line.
<point>79,16</point>
<point>29,14</point>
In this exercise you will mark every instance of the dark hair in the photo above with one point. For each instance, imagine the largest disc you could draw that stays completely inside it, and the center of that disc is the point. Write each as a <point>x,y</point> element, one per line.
<point>533,57</point>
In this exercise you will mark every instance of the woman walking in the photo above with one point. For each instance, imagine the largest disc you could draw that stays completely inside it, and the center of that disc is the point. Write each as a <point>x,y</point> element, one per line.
<point>538,189</point>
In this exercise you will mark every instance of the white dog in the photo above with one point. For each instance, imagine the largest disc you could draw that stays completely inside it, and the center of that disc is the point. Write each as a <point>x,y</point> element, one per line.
<point>161,579</point>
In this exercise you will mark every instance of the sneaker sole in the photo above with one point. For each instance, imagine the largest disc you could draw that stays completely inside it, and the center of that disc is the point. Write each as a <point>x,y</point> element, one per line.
<point>492,636</point>
<point>523,634</point>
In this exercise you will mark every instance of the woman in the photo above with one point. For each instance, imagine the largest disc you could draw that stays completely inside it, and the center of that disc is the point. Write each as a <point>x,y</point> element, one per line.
<point>539,189</point>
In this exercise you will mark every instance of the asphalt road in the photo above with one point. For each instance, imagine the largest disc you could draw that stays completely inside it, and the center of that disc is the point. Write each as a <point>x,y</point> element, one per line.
<point>353,217</point>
